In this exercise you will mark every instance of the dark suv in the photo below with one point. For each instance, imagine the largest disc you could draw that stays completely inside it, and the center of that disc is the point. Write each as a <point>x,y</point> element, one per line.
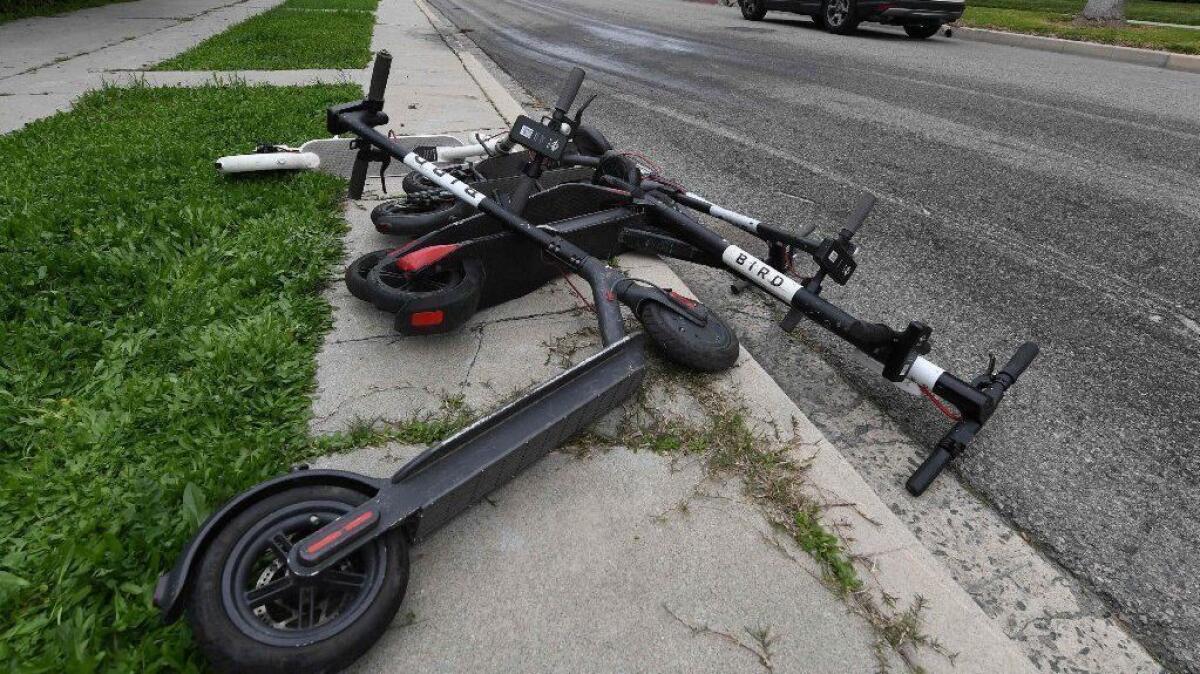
<point>920,18</point>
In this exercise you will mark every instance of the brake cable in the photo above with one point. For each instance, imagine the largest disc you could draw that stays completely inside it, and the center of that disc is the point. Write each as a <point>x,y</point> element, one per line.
<point>942,407</point>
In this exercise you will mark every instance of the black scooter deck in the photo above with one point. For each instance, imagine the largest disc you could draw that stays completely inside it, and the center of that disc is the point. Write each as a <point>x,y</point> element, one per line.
<point>453,475</point>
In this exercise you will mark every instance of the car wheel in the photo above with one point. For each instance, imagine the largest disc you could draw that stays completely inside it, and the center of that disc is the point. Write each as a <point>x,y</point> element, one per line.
<point>920,31</point>
<point>841,16</point>
<point>753,10</point>
<point>818,20</point>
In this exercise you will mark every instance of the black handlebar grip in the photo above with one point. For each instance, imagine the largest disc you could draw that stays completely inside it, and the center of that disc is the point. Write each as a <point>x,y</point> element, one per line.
<point>861,210</point>
<point>924,476</point>
<point>358,176</point>
<point>570,89</point>
<point>1020,360</point>
<point>379,75</point>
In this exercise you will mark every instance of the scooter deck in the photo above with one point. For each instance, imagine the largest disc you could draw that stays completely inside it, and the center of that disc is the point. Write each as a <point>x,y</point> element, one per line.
<point>458,472</point>
<point>337,157</point>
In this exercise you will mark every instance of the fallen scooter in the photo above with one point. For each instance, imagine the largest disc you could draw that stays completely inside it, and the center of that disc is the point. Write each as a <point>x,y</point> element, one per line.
<point>902,353</point>
<point>459,260</point>
<point>304,572</point>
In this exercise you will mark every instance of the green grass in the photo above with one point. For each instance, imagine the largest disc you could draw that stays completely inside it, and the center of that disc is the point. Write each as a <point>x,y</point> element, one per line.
<point>11,10</point>
<point>289,37</point>
<point>1180,40</point>
<point>1142,10</point>
<point>158,326</point>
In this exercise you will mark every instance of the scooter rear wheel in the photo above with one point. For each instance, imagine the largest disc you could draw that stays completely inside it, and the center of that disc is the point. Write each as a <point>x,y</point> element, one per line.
<point>357,271</point>
<point>433,300</point>
<point>249,614</point>
<point>711,347</point>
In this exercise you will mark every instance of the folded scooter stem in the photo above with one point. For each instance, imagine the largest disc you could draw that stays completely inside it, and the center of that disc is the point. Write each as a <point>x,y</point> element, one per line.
<point>975,401</point>
<point>866,338</point>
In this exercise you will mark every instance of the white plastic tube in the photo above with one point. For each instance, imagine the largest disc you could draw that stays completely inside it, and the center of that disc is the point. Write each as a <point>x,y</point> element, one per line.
<point>268,161</point>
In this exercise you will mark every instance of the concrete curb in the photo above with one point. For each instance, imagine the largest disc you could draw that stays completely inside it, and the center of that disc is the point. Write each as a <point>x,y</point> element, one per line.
<point>505,104</point>
<point>1108,52</point>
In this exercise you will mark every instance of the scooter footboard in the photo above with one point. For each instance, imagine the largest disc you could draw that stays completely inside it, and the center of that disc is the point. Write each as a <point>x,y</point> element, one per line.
<point>458,472</point>
<point>466,467</point>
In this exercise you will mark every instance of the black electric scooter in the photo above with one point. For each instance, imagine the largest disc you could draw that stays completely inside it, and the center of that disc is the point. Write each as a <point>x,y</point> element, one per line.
<point>437,282</point>
<point>304,572</point>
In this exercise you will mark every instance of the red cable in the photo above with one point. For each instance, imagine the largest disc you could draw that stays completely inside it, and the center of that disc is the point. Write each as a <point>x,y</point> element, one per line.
<point>950,414</point>
<point>578,294</point>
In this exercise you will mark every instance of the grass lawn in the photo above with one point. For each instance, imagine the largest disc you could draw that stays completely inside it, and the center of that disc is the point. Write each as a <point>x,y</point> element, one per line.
<point>11,10</point>
<point>1141,10</point>
<point>1057,24</point>
<point>158,326</point>
<point>296,35</point>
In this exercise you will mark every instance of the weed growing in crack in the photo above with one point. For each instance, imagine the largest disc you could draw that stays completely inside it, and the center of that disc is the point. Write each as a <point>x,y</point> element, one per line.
<point>772,474</point>
<point>419,429</point>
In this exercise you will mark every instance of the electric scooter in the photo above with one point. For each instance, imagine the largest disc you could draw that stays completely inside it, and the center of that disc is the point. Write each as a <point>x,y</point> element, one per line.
<point>304,572</point>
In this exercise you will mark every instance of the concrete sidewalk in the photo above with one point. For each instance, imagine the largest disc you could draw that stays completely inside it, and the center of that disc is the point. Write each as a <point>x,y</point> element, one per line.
<point>600,558</point>
<point>48,62</point>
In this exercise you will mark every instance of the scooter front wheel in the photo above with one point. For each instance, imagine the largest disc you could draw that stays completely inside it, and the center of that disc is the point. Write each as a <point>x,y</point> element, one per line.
<point>250,614</point>
<point>415,216</point>
<point>711,347</point>
<point>416,181</point>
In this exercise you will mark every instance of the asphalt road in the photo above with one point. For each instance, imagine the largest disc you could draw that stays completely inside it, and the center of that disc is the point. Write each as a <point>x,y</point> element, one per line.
<point>1023,195</point>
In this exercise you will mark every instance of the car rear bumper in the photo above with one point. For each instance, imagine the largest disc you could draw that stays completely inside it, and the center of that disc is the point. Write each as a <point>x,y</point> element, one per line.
<point>910,11</point>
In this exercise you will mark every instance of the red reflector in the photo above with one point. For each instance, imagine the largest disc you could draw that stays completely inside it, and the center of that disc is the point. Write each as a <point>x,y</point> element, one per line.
<point>689,303</point>
<point>424,319</point>
<point>358,521</point>
<point>344,530</point>
<point>323,543</point>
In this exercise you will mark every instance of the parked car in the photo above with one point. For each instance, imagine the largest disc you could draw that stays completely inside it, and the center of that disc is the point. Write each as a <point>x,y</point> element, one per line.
<point>920,18</point>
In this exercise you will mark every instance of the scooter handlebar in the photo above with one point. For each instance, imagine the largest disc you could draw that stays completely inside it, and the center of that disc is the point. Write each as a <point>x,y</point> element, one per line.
<point>928,471</point>
<point>963,433</point>
<point>379,76</point>
<point>1020,360</point>
<point>861,210</point>
<point>570,89</point>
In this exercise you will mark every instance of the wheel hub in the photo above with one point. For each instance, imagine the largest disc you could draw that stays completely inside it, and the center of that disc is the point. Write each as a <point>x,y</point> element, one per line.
<point>837,12</point>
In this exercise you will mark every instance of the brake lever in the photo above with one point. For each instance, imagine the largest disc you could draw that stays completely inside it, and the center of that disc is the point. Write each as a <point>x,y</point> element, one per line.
<point>383,166</point>
<point>988,375</point>
<point>579,112</point>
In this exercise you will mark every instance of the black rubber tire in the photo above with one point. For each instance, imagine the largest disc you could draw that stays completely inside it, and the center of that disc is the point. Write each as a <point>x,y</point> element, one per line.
<point>711,348</point>
<point>818,19</point>
<point>753,10</point>
<point>391,217</point>
<point>921,31</point>
<point>445,284</point>
<point>840,22</point>
<point>232,648</point>
<point>415,182</point>
<point>356,273</point>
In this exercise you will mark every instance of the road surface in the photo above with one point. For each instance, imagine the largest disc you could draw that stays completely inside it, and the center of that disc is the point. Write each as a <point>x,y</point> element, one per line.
<point>1023,195</point>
